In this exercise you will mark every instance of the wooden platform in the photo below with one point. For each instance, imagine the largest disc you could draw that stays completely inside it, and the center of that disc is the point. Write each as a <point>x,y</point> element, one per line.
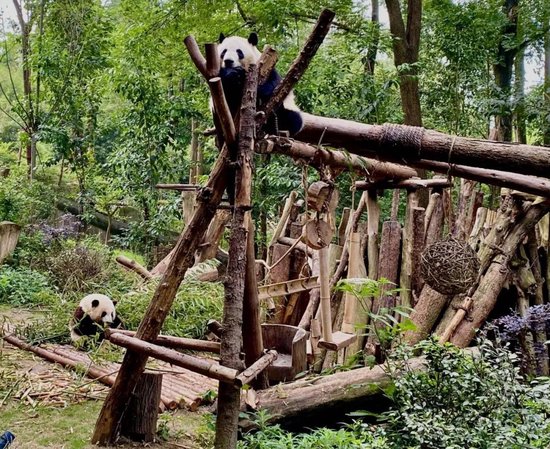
<point>181,388</point>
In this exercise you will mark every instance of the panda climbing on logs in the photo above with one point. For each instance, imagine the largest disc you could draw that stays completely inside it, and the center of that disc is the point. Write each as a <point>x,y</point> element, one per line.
<point>236,54</point>
<point>93,314</point>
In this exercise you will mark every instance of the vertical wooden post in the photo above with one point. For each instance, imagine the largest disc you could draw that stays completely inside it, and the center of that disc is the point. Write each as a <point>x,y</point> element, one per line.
<point>405,277</point>
<point>253,342</point>
<point>326,322</point>
<point>228,395</point>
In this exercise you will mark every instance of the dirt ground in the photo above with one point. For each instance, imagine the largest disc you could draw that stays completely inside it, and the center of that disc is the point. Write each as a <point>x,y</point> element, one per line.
<point>46,406</point>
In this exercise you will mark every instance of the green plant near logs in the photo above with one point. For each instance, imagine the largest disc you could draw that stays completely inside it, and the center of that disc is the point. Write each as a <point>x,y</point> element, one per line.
<point>387,324</point>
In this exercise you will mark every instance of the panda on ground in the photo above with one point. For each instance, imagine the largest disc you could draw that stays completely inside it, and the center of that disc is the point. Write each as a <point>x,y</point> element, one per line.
<point>236,54</point>
<point>93,314</point>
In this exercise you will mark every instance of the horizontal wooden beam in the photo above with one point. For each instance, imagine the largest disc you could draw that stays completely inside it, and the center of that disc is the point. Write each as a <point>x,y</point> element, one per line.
<point>168,341</point>
<point>321,157</point>
<point>207,368</point>
<point>178,187</point>
<point>409,144</point>
<point>409,184</point>
<point>287,287</point>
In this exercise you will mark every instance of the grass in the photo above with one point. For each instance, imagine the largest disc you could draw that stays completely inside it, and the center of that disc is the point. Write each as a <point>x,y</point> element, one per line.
<point>72,427</point>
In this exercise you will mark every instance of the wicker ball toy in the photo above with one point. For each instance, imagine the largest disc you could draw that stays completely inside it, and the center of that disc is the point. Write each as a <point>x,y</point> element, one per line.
<point>449,266</point>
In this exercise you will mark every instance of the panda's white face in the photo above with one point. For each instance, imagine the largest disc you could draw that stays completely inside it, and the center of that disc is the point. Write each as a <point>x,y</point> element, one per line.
<point>236,51</point>
<point>99,308</point>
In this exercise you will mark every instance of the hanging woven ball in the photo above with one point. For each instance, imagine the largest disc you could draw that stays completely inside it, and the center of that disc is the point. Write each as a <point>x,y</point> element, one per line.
<point>449,266</point>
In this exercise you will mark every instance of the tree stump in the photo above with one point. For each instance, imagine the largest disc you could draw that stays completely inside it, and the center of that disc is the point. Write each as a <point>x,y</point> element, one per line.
<point>139,422</point>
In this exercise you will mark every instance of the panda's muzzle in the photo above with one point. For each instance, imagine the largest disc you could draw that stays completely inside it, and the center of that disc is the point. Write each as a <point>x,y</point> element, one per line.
<point>228,63</point>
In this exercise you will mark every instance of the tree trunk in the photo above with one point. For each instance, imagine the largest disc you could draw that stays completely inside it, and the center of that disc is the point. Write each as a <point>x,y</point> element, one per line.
<point>370,60</point>
<point>504,68</point>
<point>139,422</point>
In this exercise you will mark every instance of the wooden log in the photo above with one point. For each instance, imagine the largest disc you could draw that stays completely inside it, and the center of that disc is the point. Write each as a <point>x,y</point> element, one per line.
<point>373,217</point>
<point>9,235</point>
<point>289,241</point>
<point>388,267</point>
<point>196,55</point>
<point>299,65</point>
<point>512,180</point>
<point>425,314</point>
<point>205,367</point>
<point>434,221</point>
<point>346,214</point>
<point>208,249</point>
<point>253,343</point>
<point>228,395</point>
<point>132,265</point>
<point>487,292</point>
<point>256,368</point>
<point>344,390</point>
<point>134,364</point>
<point>282,224</point>
<point>417,281</point>
<point>352,308</point>
<point>406,270</point>
<point>139,422</point>
<point>179,187</point>
<point>413,183</point>
<point>463,219</point>
<point>319,157</point>
<point>405,144</point>
<point>222,111</point>
<point>288,287</point>
<point>169,341</point>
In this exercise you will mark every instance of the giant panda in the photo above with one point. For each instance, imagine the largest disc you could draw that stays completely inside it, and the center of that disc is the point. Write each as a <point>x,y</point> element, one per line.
<point>93,314</point>
<point>236,54</point>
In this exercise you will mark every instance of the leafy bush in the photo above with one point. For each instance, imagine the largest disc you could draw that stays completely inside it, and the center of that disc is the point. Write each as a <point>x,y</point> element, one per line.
<point>23,202</point>
<point>273,437</point>
<point>461,400</point>
<point>195,304</point>
<point>468,401</point>
<point>22,286</point>
<point>73,268</point>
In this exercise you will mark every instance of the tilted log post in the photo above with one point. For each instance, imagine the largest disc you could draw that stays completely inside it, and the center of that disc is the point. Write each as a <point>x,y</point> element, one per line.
<point>485,296</point>
<point>133,364</point>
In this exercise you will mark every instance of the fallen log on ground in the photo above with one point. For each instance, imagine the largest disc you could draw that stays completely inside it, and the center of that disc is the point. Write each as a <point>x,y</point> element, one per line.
<point>310,398</point>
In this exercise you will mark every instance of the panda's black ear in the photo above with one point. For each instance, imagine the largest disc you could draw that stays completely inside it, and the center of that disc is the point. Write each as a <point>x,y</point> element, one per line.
<point>95,303</point>
<point>253,39</point>
<point>221,38</point>
<point>114,302</point>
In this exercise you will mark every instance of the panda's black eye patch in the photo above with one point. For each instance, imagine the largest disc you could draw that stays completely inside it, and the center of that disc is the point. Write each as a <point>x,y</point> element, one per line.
<point>103,314</point>
<point>223,53</point>
<point>240,54</point>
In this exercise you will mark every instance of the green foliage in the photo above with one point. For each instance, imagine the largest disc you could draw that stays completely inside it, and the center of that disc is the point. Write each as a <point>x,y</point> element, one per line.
<point>23,202</point>
<point>22,287</point>
<point>468,400</point>
<point>461,400</point>
<point>196,303</point>
<point>273,437</point>
<point>384,324</point>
